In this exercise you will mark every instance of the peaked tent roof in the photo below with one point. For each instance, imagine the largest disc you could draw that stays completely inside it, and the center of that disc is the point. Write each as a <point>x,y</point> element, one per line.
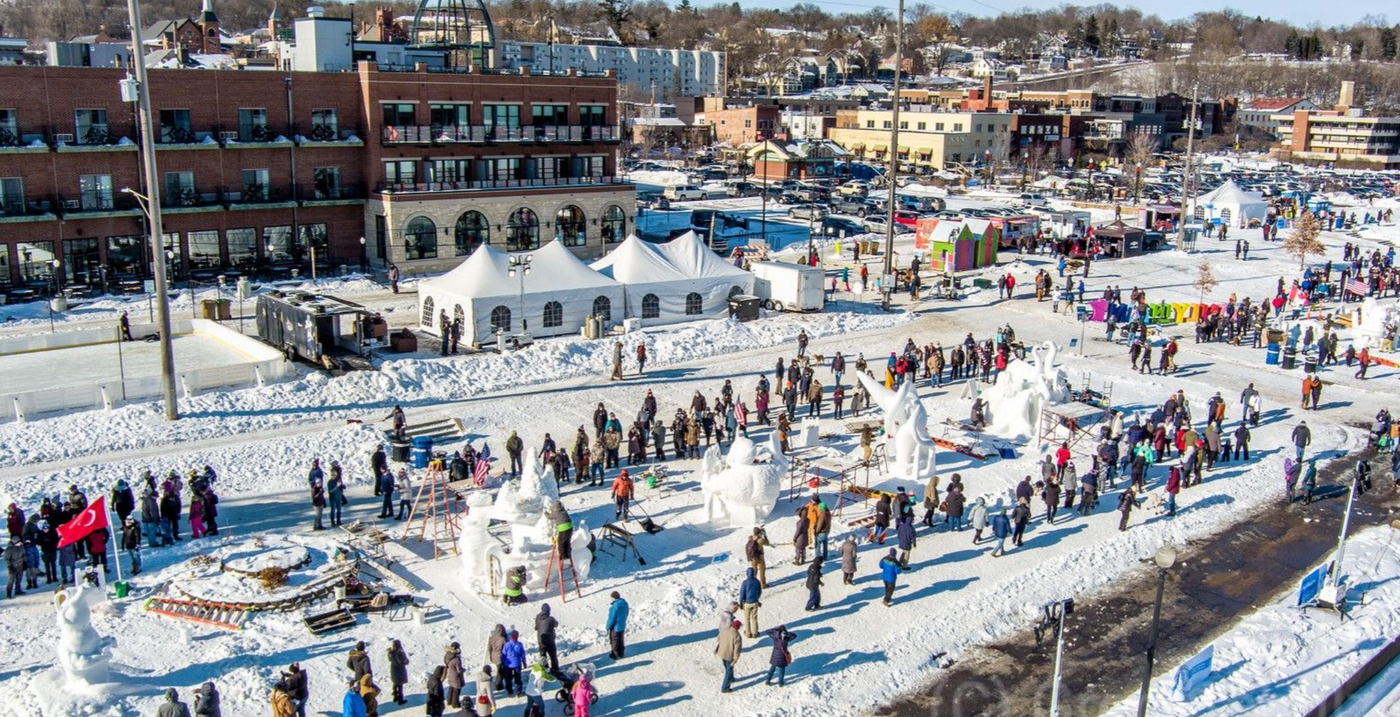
<point>695,260</point>
<point>1230,193</point>
<point>552,268</point>
<point>637,262</point>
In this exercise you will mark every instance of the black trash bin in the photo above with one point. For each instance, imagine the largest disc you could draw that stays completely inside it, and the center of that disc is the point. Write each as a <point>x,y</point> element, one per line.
<point>399,450</point>
<point>743,307</point>
<point>1290,358</point>
<point>1309,363</point>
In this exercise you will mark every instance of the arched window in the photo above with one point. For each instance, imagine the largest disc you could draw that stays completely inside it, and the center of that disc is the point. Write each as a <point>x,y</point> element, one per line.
<point>602,308</point>
<point>651,306</point>
<point>459,316</point>
<point>614,225</point>
<point>1224,216</point>
<point>428,317</point>
<point>500,319</point>
<point>522,231</point>
<point>570,226</point>
<point>553,314</point>
<point>472,231</point>
<point>693,304</point>
<point>420,239</point>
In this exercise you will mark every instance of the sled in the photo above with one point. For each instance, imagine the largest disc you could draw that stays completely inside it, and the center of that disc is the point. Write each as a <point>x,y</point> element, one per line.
<point>222,615</point>
<point>325,623</point>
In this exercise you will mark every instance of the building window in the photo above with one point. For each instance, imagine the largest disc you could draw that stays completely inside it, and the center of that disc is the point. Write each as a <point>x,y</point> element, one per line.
<point>500,319</point>
<point>551,169</point>
<point>614,224</point>
<point>501,115</point>
<point>522,231</point>
<point>179,190</point>
<point>5,279</point>
<point>591,167</point>
<point>325,125</point>
<point>420,239</point>
<point>549,115</point>
<point>470,232</point>
<point>427,318</point>
<point>870,124</point>
<point>553,314</point>
<point>242,246</point>
<point>126,257</point>
<point>255,187</point>
<point>450,116</point>
<point>326,182</point>
<point>450,171</point>
<point>693,304</point>
<point>602,309</point>
<point>95,192</point>
<point>398,114</point>
<point>311,236</point>
<point>277,243</point>
<point>401,174</point>
<point>90,126</point>
<point>570,226</point>
<point>501,170</point>
<point>204,249</point>
<point>252,125</point>
<point>9,128</point>
<point>592,115</point>
<point>36,261</point>
<point>923,126</point>
<point>651,306</point>
<point>12,196</point>
<point>80,262</point>
<point>175,127</point>
<point>938,126</point>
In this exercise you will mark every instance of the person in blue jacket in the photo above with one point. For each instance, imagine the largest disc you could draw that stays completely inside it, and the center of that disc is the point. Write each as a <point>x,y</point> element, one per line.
<point>617,627</point>
<point>1001,528</point>
<point>750,592</point>
<point>513,661</point>
<point>889,572</point>
<point>353,705</point>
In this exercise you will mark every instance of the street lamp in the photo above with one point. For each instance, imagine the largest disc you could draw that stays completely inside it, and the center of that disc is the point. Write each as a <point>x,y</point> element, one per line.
<point>519,267</point>
<point>1165,558</point>
<point>364,259</point>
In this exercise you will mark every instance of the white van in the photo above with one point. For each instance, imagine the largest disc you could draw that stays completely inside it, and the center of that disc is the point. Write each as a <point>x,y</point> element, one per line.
<point>683,193</point>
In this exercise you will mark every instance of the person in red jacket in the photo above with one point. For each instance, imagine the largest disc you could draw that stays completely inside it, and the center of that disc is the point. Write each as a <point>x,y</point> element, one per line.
<point>1061,460</point>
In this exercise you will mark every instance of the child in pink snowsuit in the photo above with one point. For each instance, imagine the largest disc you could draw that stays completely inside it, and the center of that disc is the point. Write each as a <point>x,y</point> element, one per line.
<point>581,696</point>
<point>197,518</point>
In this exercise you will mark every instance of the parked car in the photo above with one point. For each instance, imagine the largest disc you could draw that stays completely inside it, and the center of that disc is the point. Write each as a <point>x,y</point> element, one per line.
<point>1033,200</point>
<point>653,200</point>
<point>907,218</point>
<point>854,189</point>
<point>742,189</point>
<point>807,211</point>
<point>919,203</point>
<point>841,227</point>
<point>684,193</point>
<point>852,206</point>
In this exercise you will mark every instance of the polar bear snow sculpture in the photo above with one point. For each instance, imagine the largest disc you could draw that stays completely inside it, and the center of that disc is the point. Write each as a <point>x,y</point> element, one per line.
<point>1020,392</point>
<point>906,429</point>
<point>737,486</point>
<point>84,656</point>
<point>531,536</point>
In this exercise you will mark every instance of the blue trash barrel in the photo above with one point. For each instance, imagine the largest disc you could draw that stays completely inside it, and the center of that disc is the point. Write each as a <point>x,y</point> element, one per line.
<point>1271,354</point>
<point>422,451</point>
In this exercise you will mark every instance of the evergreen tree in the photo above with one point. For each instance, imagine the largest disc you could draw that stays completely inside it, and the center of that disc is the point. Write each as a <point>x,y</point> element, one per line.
<point>1110,40</point>
<point>1293,46</point>
<point>1388,43</point>
<point>1091,34</point>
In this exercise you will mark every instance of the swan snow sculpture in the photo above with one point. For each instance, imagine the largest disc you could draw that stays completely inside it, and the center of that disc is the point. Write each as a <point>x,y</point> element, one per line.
<point>522,508</point>
<point>1015,400</point>
<point>906,429</point>
<point>1371,321</point>
<point>737,486</point>
<point>84,656</point>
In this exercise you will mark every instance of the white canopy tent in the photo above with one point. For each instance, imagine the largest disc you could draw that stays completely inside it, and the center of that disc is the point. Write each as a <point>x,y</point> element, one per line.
<point>557,294</point>
<point>677,281</point>
<point>1232,205</point>
<point>714,278</point>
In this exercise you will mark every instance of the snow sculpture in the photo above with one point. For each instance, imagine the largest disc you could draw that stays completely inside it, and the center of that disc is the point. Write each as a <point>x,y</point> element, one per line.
<point>739,486</point>
<point>1015,400</point>
<point>84,656</point>
<point>906,429</point>
<point>521,506</point>
<point>1371,324</point>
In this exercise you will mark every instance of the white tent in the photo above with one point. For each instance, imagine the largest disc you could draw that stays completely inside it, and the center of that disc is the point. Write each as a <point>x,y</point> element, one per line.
<point>656,289</point>
<point>1232,205</point>
<point>556,295</point>
<point>712,277</point>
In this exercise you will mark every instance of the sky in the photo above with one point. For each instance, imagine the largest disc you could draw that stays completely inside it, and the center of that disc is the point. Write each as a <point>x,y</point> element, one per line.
<point>1302,12</point>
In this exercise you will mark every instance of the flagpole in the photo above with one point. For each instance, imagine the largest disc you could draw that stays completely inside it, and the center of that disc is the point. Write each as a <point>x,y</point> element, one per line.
<point>116,547</point>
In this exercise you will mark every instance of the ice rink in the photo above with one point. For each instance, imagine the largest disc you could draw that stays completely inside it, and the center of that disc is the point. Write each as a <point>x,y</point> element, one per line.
<point>100,362</point>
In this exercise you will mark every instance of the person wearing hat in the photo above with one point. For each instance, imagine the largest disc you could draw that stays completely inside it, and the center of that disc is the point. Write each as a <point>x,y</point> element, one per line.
<point>131,543</point>
<point>295,680</point>
<point>780,658</point>
<point>452,675</point>
<point>398,670</point>
<point>729,647</point>
<point>536,684</point>
<point>513,662</point>
<point>617,626</point>
<point>15,563</point>
<point>889,573</point>
<point>545,625</point>
<point>622,495</point>
<point>173,707</point>
<point>358,661</point>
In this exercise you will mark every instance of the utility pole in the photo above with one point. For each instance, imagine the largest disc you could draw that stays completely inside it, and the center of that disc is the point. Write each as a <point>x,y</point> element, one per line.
<point>886,285</point>
<point>1187,175</point>
<point>153,187</point>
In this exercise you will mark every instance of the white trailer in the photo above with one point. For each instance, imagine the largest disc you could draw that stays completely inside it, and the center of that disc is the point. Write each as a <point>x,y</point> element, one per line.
<point>789,287</point>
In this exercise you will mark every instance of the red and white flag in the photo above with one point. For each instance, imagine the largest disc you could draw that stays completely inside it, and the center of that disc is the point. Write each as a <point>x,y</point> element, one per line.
<point>1357,286</point>
<point>92,518</point>
<point>741,414</point>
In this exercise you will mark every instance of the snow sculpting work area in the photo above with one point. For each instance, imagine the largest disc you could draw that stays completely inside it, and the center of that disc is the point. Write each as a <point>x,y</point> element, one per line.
<point>525,541</point>
<point>1015,400</point>
<point>908,446</point>
<point>1374,323</point>
<point>84,656</point>
<point>742,487</point>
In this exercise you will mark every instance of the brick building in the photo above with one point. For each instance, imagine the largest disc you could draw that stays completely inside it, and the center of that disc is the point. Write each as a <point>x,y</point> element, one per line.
<point>261,170</point>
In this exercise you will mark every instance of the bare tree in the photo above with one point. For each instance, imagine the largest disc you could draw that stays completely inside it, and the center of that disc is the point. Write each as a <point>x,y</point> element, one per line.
<point>1303,241</point>
<point>1205,280</point>
<point>1141,147</point>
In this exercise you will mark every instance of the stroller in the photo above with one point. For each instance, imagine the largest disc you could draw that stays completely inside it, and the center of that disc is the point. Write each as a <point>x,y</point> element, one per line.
<point>567,676</point>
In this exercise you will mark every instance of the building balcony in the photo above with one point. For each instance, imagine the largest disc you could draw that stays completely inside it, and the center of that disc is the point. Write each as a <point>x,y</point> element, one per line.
<point>15,141</point>
<point>187,199</point>
<point>337,194</point>
<point>97,204</point>
<point>16,207</point>
<point>254,137</point>
<point>395,188</point>
<point>484,134</point>
<point>255,195</point>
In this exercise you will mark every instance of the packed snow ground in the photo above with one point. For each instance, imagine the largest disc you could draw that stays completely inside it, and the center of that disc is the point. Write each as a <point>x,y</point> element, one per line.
<point>848,656</point>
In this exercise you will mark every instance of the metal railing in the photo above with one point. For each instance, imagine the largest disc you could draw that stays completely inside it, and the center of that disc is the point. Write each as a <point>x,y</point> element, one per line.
<point>95,201</point>
<point>311,193</point>
<point>405,188</point>
<point>453,134</point>
<point>15,204</point>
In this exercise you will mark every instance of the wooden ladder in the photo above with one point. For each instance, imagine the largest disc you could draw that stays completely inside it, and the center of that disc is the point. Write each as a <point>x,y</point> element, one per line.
<point>434,512</point>
<point>556,565</point>
<point>218,614</point>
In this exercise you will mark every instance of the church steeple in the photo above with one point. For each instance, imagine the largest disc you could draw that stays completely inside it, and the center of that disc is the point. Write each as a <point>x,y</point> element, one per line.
<point>206,14</point>
<point>209,28</point>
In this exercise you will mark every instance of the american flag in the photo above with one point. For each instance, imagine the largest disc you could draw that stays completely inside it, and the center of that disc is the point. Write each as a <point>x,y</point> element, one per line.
<point>1357,286</point>
<point>741,414</point>
<point>483,466</point>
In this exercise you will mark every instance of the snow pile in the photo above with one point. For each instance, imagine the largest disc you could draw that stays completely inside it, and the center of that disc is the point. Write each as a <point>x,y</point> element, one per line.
<point>1374,323</point>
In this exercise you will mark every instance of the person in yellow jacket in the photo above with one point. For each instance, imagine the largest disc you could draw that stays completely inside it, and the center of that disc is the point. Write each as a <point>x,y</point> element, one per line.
<point>369,692</point>
<point>282,705</point>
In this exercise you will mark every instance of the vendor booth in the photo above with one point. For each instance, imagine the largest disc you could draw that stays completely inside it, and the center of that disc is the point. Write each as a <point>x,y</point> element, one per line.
<point>1118,240</point>
<point>1231,206</point>
<point>548,292</point>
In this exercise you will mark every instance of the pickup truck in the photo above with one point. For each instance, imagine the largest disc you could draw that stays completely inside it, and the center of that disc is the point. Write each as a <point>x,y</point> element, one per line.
<point>919,204</point>
<point>854,206</point>
<point>684,193</point>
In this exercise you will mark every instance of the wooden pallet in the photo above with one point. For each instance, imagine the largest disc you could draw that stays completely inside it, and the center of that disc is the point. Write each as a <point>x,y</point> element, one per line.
<point>207,612</point>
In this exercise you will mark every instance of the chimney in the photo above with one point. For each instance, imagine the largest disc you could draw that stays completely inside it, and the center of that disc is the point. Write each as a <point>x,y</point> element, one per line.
<point>384,23</point>
<point>987,91</point>
<point>1347,97</point>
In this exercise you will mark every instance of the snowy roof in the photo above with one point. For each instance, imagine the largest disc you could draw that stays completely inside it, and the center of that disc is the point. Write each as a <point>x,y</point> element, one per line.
<point>1230,193</point>
<point>487,273</point>
<point>637,262</point>
<point>696,260</point>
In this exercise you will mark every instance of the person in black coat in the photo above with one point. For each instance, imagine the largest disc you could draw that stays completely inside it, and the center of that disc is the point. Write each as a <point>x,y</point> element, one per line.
<point>814,586</point>
<point>398,670</point>
<point>123,501</point>
<point>781,658</point>
<point>545,625</point>
<point>435,705</point>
